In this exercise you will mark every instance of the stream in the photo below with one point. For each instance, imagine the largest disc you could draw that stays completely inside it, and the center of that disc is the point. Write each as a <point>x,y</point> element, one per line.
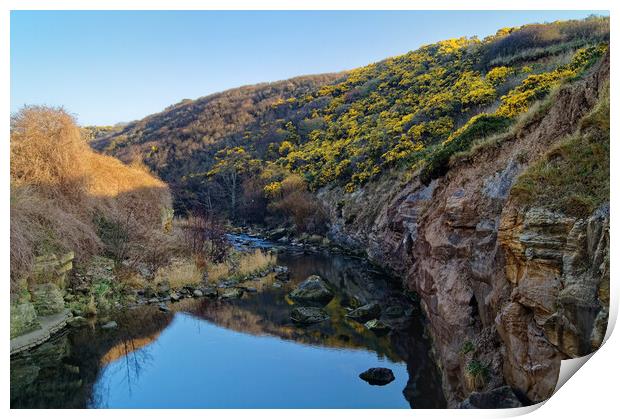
<point>243,353</point>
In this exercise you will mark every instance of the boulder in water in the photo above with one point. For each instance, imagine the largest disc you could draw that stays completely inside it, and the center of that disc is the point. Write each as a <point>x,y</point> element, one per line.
<point>378,376</point>
<point>312,291</point>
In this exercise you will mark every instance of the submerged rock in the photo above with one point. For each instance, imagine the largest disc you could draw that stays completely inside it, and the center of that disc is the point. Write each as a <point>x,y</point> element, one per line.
<point>308,315</point>
<point>312,291</point>
<point>499,398</point>
<point>378,376</point>
<point>365,313</point>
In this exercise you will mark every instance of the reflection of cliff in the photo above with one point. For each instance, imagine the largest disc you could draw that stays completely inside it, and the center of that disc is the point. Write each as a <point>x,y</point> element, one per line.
<point>61,372</point>
<point>253,316</point>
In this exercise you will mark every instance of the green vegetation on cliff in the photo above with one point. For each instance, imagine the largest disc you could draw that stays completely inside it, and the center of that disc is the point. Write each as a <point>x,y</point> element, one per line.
<point>573,177</point>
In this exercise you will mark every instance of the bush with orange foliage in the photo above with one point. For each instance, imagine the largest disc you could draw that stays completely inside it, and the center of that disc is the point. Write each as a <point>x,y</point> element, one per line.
<point>64,195</point>
<point>292,199</point>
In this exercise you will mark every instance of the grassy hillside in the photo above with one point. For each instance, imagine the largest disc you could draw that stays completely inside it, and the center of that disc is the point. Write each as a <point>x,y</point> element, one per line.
<point>242,150</point>
<point>67,198</point>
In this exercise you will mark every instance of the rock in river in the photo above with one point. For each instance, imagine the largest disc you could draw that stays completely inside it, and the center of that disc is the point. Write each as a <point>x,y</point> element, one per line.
<point>308,315</point>
<point>312,291</point>
<point>366,312</point>
<point>378,376</point>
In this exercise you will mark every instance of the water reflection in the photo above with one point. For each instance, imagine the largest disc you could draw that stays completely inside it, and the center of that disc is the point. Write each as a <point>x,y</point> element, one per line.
<point>244,353</point>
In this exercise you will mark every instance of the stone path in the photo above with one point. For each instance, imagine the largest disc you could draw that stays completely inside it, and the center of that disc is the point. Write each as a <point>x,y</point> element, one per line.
<point>49,325</point>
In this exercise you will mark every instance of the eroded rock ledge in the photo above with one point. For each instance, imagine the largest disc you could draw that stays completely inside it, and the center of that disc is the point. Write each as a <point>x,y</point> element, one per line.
<point>508,291</point>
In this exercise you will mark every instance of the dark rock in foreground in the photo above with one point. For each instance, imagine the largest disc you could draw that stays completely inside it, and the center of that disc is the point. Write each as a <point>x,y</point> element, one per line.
<point>312,291</point>
<point>378,376</point>
<point>499,398</point>
<point>366,312</point>
<point>308,315</point>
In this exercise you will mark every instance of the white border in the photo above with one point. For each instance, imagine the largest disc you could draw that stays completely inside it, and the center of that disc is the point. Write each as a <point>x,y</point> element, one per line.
<point>592,392</point>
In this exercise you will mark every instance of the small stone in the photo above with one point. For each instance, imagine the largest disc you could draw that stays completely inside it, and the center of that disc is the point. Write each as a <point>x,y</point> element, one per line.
<point>164,308</point>
<point>174,297</point>
<point>110,325</point>
<point>153,300</point>
<point>197,293</point>
<point>231,293</point>
<point>378,376</point>
<point>210,292</point>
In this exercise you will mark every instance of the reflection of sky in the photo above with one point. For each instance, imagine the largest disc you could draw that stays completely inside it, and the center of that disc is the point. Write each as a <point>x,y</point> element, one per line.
<point>195,364</point>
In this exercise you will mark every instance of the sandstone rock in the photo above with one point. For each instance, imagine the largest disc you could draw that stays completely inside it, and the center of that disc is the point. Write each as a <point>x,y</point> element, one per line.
<point>378,376</point>
<point>312,291</point>
<point>308,315</point>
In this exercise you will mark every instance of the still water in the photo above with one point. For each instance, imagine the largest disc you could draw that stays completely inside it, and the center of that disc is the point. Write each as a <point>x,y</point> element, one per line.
<point>240,354</point>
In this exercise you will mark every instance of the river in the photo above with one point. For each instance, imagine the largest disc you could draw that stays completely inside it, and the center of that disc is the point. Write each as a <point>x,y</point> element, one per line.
<point>243,353</point>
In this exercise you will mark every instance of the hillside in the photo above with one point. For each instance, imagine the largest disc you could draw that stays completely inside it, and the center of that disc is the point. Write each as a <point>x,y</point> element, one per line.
<point>407,112</point>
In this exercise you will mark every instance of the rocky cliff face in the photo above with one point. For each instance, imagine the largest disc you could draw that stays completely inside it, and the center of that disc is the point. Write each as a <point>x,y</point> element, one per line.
<point>508,291</point>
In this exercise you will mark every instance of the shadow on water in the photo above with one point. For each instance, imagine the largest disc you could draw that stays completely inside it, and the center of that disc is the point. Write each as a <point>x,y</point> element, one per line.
<point>241,353</point>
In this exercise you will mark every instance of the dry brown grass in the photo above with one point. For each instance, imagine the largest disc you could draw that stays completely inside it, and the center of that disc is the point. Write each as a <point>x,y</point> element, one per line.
<point>240,266</point>
<point>178,274</point>
<point>250,263</point>
<point>218,271</point>
<point>60,187</point>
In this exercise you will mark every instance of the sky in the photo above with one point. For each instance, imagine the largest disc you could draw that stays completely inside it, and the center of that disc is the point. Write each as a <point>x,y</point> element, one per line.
<point>107,67</point>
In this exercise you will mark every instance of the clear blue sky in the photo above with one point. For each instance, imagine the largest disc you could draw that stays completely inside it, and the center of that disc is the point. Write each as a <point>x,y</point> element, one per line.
<point>109,67</point>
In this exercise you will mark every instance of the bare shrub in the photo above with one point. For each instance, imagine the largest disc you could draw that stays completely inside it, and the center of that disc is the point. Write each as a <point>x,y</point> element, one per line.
<point>61,191</point>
